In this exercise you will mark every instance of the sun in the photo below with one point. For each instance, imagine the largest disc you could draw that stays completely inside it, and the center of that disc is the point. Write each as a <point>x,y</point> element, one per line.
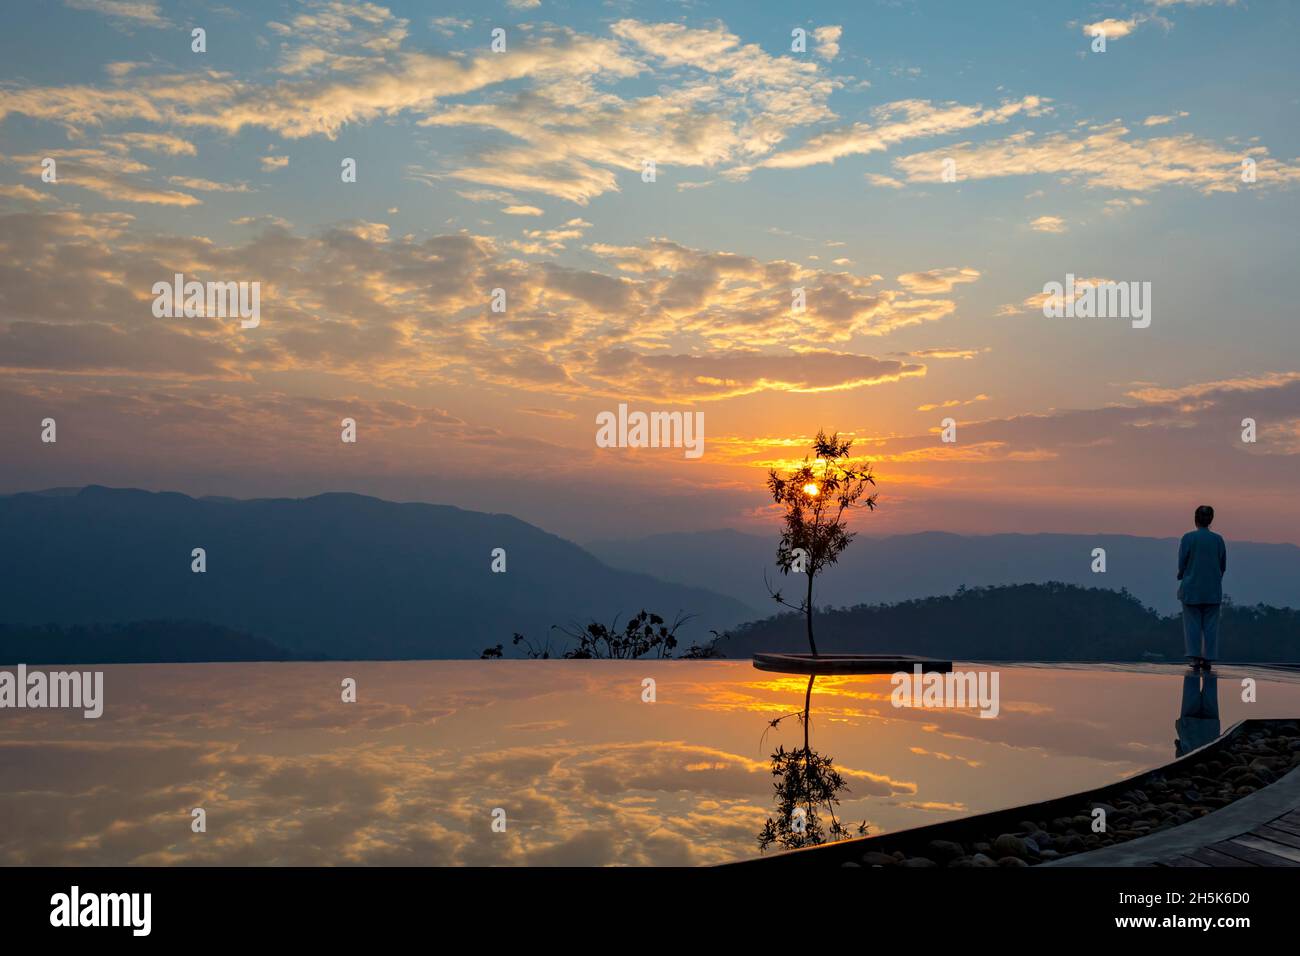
<point>811,490</point>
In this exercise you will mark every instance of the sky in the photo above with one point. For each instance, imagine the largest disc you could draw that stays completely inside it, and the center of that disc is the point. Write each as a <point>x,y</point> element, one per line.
<point>775,169</point>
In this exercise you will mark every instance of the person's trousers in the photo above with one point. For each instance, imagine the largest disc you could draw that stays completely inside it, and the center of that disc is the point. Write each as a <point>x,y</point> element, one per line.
<point>1201,622</point>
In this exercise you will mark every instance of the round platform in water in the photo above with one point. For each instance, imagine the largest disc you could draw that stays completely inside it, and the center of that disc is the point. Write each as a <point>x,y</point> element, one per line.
<point>784,663</point>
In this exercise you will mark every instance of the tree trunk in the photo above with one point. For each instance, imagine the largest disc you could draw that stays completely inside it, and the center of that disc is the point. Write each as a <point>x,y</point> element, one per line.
<point>807,718</point>
<point>807,749</point>
<point>808,610</point>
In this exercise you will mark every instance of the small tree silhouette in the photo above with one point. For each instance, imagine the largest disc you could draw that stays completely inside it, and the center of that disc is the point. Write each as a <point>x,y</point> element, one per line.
<point>807,786</point>
<point>816,497</point>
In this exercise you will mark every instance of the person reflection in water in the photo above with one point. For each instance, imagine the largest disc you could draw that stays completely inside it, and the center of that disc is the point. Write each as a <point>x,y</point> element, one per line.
<point>1198,720</point>
<point>1202,561</point>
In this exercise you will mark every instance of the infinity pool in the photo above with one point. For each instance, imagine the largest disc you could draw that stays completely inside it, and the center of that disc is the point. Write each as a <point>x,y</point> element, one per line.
<point>567,757</point>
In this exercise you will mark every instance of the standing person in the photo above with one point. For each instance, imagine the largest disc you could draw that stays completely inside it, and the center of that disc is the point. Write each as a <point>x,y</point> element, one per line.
<point>1202,560</point>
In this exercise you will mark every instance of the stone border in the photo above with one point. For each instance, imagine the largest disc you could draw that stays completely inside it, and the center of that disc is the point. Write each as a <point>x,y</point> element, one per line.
<point>1238,817</point>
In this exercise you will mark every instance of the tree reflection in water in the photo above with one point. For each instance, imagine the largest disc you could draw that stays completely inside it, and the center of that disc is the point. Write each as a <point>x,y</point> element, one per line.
<point>808,789</point>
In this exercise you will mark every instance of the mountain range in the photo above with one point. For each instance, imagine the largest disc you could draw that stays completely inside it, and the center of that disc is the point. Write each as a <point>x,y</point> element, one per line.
<point>339,575</point>
<point>893,568</point>
<point>107,573</point>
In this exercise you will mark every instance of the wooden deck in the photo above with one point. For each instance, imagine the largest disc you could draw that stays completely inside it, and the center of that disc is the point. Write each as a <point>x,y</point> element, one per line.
<point>1275,843</point>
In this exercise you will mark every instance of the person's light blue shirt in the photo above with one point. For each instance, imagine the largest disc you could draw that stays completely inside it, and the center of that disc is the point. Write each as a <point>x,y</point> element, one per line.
<point>1202,560</point>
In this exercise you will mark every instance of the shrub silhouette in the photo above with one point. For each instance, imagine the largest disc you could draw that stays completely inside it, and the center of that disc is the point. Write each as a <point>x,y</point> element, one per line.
<point>644,635</point>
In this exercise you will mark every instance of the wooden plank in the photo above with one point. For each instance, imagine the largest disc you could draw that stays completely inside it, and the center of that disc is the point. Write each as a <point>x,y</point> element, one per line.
<point>1250,854</point>
<point>1182,861</point>
<point>1214,858</point>
<point>1293,818</point>
<point>1289,853</point>
<point>1279,824</point>
<point>1277,836</point>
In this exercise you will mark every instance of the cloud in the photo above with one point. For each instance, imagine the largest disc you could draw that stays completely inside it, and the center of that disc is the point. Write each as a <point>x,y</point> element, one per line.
<point>557,413</point>
<point>1038,300</point>
<point>1106,156</point>
<point>1162,120</point>
<point>142,13</point>
<point>887,182</point>
<point>897,122</point>
<point>1156,442</point>
<point>19,191</point>
<point>719,102</point>
<point>450,26</point>
<point>107,173</point>
<point>1111,28</point>
<point>511,207</point>
<point>333,37</point>
<point>121,68</point>
<point>317,89</point>
<point>942,352</point>
<point>828,41</point>
<point>264,220</point>
<point>157,98</point>
<point>104,348</point>
<point>1048,224</point>
<point>654,319</point>
<point>1118,205</point>
<point>935,806</point>
<point>729,300</point>
<point>1251,383</point>
<point>952,403</point>
<point>728,375</point>
<point>937,281</point>
<point>548,242</point>
<point>566,128</point>
<point>207,185</point>
<point>153,142</point>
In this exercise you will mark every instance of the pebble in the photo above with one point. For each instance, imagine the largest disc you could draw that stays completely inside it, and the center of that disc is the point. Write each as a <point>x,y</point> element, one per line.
<point>945,850</point>
<point>1008,844</point>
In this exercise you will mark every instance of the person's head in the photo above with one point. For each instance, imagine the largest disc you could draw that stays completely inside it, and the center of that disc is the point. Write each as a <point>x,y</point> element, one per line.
<point>1204,515</point>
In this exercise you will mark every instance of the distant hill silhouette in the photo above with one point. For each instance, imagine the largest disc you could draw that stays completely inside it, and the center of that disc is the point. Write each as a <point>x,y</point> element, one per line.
<point>905,566</point>
<point>1037,622</point>
<point>342,575</point>
<point>139,642</point>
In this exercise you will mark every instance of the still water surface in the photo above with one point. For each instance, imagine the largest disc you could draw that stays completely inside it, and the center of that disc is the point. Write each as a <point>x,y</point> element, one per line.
<point>586,772</point>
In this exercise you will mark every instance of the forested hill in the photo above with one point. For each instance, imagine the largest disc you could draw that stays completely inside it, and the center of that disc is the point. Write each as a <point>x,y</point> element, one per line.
<point>1044,622</point>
